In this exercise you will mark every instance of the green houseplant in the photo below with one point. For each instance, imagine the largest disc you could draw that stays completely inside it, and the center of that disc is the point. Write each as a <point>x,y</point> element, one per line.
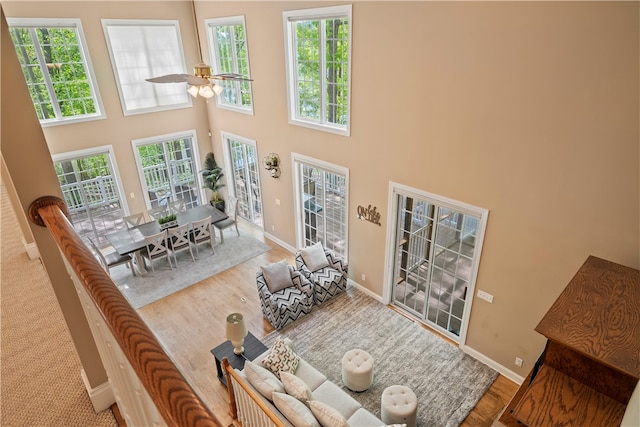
<point>167,221</point>
<point>211,175</point>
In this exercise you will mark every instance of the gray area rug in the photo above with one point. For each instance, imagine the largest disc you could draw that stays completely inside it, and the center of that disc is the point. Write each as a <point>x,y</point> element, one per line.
<point>447,382</point>
<point>164,281</point>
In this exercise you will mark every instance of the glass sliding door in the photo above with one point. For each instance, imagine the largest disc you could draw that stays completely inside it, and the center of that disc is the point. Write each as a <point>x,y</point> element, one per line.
<point>436,256</point>
<point>91,192</point>
<point>243,157</point>
<point>322,199</point>
<point>168,171</point>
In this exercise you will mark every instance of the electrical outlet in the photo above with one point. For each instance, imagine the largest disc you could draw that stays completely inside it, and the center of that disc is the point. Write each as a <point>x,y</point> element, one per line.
<point>364,278</point>
<point>278,202</point>
<point>485,296</point>
<point>273,228</point>
<point>518,362</point>
<point>132,195</point>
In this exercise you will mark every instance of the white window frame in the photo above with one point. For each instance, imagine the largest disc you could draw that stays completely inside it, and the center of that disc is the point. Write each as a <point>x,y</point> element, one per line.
<point>68,23</point>
<point>396,189</point>
<point>155,87</point>
<point>161,139</point>
<point>211,23</point>
<point>289,20</point>
<point>298,160</point>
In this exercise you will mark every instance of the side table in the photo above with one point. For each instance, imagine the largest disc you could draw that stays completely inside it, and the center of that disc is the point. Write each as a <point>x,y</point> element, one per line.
<point>253,348</point>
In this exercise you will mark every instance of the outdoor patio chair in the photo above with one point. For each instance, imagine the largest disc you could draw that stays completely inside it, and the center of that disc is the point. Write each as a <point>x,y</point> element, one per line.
<point>156,248</point>
<point>326,270</point>
<point>232,211</point>
<point>285,294</point>
<point>134,219</point>
<point>111,259</point>
<point>179,240</point>
<point>201,232</point>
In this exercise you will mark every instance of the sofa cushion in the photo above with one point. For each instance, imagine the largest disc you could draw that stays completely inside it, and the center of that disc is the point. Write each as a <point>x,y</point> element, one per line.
<point>277,276</point>
<point>262,379</point>
<point>314,257</point>
<point>364,418</point>
<point>281,358</point>
<point>294,410</point>
<point>337,398</point>
<point>326,415</point>
<point>295,387</point>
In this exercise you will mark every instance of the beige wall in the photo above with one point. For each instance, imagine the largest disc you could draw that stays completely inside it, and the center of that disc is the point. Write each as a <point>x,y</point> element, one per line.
<point>529,110</point>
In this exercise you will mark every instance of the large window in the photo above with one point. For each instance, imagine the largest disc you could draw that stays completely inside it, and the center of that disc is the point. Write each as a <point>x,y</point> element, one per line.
<point>318,51</point>
<point>57,69</point>
<point>168,170</point>
<point>143,49</point>
<point>228,48</point>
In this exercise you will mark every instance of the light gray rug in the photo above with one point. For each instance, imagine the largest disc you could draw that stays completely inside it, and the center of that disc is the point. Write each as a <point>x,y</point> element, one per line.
<point>143,290</point>
<point>447,382</point>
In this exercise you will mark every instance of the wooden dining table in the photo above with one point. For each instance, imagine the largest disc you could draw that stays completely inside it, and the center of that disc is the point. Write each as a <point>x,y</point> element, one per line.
<point>132,240</point>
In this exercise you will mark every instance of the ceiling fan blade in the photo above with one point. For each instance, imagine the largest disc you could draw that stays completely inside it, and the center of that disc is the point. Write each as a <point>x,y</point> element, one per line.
<point>169,78</point>
<point>230,76</point>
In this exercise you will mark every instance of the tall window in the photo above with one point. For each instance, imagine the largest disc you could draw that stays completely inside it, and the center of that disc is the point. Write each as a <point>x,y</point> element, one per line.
<point>322,199</point>
<point>228,48</point>
<point>168,171</point>
<point>57,69</point>
<point>140,49</point>
<point>318,51</point>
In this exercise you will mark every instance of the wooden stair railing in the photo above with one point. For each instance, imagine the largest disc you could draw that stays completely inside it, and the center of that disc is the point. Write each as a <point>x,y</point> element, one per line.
<point>174,398</point>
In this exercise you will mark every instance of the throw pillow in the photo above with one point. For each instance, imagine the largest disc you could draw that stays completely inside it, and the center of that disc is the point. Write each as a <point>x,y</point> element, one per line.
<point>262,380</point>
<point>314,257</point>
<point>295,411</point>
<point>326,415</point>
<point>277,276</point>
<point>281,358</point>
<point>295,387</point>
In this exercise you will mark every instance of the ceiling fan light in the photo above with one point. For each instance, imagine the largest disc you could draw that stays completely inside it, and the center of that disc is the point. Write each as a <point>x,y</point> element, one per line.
<point>217,89</point>
<point>193,91</point>
<point>205,92</point>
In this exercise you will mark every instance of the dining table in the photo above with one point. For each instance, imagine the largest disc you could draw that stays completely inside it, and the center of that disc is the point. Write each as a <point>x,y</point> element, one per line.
<point>132,240</point>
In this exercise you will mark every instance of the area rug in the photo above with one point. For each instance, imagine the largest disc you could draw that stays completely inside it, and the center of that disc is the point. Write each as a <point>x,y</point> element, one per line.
<point>164,281</point>
<point>447,382</point>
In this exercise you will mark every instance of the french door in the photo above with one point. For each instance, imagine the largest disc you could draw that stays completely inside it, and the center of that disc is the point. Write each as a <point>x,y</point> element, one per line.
<point>321,200</point>
<point>91,191</point>
<point>437,245</point>
<point>245,180</point>
<point>167,166</point>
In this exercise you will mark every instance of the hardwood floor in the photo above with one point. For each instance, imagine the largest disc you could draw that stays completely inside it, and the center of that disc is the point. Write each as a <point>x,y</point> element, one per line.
<point>191,322</point>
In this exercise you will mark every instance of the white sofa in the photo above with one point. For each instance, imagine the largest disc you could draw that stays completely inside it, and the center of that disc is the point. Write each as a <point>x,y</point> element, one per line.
<point>322,390</point>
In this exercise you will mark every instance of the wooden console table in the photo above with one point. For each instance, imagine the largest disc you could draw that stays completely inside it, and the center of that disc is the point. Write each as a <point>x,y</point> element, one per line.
<point>591,363</point>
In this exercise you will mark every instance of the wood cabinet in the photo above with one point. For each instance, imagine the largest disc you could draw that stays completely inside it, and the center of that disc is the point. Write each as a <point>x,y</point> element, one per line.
<point>591,362</point>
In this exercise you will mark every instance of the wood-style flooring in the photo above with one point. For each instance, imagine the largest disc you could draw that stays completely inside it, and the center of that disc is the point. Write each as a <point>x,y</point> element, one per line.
<point>191,322</point>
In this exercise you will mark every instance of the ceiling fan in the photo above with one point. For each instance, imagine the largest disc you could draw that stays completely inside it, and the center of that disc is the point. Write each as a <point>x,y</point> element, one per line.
<point>202,81</point>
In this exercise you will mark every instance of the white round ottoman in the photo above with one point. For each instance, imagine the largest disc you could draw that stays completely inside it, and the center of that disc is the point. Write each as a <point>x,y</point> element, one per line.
<point>399,405</point>
<point>357,370</point>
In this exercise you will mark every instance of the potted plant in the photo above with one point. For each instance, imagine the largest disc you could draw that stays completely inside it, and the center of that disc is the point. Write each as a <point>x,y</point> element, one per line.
<point>211,175</point>
<point>167,221</point>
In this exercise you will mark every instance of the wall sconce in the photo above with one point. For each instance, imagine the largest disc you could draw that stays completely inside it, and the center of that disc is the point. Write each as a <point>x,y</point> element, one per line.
<point>271,162</point>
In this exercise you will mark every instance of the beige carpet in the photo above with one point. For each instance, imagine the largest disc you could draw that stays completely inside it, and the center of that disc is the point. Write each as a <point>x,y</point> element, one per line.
<point>40,383</point>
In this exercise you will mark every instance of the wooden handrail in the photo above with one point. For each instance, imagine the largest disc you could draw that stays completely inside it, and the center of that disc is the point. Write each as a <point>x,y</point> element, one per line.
<point>175,399</point>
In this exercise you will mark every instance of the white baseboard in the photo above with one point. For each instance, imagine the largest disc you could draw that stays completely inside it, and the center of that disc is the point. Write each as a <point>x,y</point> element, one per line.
<point>493,364</point>
<point>280,242</point>
<point>32,249</point>
<point>365,290</point>
<point>101,397</point>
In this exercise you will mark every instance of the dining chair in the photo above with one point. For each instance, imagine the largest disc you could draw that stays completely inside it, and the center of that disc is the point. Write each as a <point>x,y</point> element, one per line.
<point>156,248</point>
<point>134,219</point>
<point>179,240</point>
<point>177,206</point>
<point>201,233</point>
<point>158,212</point>
<point>111,259</point>
<point>232,211</point>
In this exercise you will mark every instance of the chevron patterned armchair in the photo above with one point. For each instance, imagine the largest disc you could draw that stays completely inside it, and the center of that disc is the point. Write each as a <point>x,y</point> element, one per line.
<point>326,270</point>
<point>285,294</point>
